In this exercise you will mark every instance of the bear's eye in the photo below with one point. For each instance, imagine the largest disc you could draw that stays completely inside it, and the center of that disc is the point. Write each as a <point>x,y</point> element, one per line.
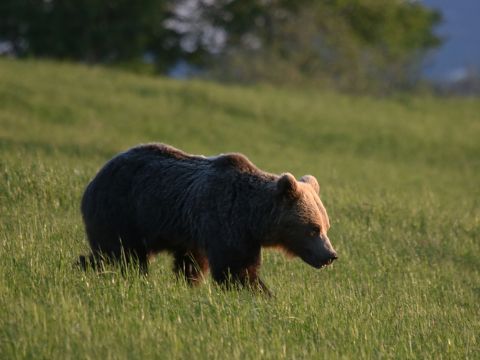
<point>314,230</point>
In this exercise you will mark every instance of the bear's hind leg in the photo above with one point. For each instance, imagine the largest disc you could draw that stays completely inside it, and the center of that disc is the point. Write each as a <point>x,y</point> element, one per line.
<point>112,250</point>
<point>87,262</point>
<point>137,257</point>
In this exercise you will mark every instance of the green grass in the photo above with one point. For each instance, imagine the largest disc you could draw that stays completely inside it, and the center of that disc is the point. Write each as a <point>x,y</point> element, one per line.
<point>400,178</point>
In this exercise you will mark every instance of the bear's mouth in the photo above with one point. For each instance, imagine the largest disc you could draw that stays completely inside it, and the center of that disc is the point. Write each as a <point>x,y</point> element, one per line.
<point>317,264</point>
<point>326,263</point>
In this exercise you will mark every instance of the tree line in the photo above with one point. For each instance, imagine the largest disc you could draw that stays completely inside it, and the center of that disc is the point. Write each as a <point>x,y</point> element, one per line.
<point>349,44</point>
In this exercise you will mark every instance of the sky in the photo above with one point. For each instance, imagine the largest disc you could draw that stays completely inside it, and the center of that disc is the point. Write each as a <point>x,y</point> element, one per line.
<point>461,32</point>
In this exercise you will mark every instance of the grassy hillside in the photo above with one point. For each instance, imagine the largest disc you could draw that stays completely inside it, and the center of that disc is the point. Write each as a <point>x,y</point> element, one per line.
<point>400,179</point>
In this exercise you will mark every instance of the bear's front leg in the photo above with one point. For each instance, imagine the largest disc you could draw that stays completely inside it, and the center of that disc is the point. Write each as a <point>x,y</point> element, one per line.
<point>191,265</point>
<point>237,268</point>
<point>252,280</point>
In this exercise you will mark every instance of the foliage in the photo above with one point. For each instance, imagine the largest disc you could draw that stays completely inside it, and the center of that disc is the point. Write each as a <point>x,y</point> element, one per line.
<point>350,44</point>
<point>399,178</point>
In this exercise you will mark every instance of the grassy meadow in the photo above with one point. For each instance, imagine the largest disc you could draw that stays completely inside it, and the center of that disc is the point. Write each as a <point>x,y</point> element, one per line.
<point>400,178</point>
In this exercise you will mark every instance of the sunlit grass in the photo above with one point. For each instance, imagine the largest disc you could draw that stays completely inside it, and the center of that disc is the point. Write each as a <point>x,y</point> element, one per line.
<point>399,178</point>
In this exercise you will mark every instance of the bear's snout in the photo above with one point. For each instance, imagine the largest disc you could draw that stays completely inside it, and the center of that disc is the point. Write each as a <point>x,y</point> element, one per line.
<point>319,261</point>
<point>329,259</point>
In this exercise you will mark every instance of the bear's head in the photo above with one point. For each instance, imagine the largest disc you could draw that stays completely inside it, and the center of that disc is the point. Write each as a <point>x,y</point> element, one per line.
<point>302,222</point>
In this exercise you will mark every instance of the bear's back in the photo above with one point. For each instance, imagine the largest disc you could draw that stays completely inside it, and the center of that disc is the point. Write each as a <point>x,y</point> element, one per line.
<point>235,162</point>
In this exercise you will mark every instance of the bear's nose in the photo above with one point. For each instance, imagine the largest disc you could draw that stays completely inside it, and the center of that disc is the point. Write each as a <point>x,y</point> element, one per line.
<point>334,256</point>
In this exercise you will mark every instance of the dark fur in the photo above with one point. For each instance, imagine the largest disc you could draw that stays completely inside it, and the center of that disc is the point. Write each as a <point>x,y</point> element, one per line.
<point>212,213</point>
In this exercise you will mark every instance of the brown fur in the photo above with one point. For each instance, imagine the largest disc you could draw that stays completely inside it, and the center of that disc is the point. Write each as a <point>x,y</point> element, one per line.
<point>209,213</point>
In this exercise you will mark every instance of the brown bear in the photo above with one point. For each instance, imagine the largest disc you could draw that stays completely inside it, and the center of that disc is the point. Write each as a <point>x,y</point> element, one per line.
<point>209,212</point>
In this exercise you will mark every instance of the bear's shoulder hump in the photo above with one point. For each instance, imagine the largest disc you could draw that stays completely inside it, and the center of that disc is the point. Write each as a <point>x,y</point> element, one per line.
<point>235,161</point>
<point>161,150</point>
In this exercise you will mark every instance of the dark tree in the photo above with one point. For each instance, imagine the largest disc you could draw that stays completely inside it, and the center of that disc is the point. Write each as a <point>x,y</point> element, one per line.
<point>87,30</point>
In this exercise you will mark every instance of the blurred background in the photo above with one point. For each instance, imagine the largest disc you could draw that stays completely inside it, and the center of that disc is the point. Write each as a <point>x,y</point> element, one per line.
<point>373,46</point>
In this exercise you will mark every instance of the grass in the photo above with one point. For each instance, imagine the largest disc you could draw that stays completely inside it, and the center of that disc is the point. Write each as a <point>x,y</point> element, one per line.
<point>400,178</point>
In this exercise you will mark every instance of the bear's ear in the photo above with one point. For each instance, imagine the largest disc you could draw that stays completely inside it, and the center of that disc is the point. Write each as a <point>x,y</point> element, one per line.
<point>310,179</point>
<point>287,186</point>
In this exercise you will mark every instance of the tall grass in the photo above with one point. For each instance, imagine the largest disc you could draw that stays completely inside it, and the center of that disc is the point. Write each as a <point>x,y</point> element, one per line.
<point>400,178</point>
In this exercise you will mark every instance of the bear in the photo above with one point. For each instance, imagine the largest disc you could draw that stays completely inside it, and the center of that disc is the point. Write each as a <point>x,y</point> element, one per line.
<point>211,213</point>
